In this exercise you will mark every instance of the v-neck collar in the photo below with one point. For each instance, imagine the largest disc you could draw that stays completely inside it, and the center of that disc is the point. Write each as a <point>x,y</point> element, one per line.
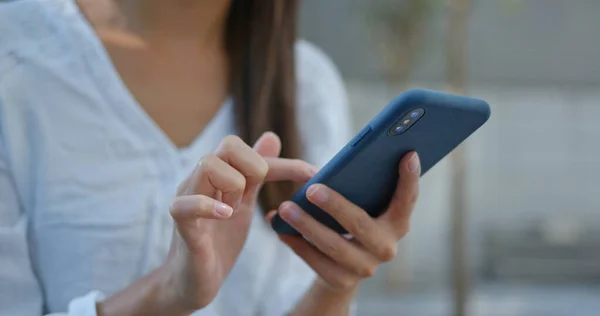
<point>125,104</point>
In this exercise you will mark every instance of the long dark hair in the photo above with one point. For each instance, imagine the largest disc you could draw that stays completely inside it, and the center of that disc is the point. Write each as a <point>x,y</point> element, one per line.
<point>260,40</point>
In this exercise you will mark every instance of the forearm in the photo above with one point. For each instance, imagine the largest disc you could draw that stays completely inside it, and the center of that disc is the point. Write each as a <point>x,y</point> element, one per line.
<point>321,300</point>
<point>150,295</point>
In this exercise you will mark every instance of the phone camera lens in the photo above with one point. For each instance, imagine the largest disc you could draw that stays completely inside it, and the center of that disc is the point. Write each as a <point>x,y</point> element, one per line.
<point>406,121</point>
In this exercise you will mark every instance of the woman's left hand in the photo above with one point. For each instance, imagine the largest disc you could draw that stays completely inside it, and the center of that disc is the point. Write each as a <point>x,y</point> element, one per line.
<point>342,263</point>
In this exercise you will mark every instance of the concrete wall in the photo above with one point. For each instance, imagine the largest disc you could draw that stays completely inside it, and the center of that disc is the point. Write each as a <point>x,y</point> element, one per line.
<point>536,42</point>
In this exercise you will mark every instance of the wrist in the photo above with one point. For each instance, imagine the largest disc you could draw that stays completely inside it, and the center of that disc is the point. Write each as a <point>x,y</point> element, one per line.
<point>169,293</point>
<point>322,299</point>
<point>150,295</point>
<point>325,289</point>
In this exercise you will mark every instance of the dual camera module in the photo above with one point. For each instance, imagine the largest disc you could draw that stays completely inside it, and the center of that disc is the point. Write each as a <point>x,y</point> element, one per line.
<point>408,120</point>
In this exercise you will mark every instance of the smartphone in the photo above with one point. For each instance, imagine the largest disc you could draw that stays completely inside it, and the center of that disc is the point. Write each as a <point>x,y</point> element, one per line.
<point>365,171</point>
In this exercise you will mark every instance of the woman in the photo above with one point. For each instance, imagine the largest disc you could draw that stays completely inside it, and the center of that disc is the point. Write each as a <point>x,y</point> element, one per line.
<point>101,105</point>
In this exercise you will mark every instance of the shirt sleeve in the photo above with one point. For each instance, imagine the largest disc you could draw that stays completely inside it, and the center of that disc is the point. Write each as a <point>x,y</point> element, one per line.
<point>324,128</point>
<point>20,291</point>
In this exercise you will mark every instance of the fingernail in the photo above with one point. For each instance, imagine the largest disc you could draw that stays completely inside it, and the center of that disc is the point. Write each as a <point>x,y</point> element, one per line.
<point>414,163</point>
<point>223,209</point>
<point>316,194</point>
<point>290,211</point>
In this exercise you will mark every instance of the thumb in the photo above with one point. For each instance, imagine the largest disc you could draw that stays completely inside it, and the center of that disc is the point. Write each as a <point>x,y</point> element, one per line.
<point>268,145</point>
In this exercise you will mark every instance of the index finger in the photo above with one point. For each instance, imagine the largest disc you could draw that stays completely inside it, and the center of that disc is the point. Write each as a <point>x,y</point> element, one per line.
<point>355,220</point>
<point>281,169</point>
<point>242,157</point>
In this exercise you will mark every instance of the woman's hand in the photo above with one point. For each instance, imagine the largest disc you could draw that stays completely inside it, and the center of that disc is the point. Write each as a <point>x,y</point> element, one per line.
<point>213,212</point>
<point>342,263</point>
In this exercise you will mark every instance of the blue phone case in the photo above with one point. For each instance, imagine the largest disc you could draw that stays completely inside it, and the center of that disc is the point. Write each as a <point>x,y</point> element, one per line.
<point>365,171</point>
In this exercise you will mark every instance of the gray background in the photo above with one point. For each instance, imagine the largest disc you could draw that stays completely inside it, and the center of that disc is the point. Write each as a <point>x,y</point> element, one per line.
<point>542,42</point>
<point>534,169</point>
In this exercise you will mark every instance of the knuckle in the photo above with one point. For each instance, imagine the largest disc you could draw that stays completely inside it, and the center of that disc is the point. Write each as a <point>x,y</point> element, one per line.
<point>369,271</point>
<point>308,170</point>
<point>332,250</point>
<point>300,164</point>
<point>414,197</point>
<point>404,229</point>
<point>361,225</point>
<point>388,253</point>
<point>208,162</point>
<point>205,205</point>
<point>332,204</point>
<point>262,169</point>
<point>303,168</point>
<point>208,166</point>
<point>181,210</point>
<point>238,183</point>
<point>176,211</point>
<point>344,282</point>
<point>232,140</point>
<point>230,143</point>
<point>173,210</point>
<point>182,188</point>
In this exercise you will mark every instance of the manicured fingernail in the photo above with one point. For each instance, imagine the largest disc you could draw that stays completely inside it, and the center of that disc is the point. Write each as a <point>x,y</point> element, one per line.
<point>414,163</point>
<point>223,209</point>
<point>317,194</point>
<point>290,212</point>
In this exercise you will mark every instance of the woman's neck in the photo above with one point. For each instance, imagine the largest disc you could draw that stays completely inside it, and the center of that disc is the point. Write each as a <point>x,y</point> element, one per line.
<point>203,20</point>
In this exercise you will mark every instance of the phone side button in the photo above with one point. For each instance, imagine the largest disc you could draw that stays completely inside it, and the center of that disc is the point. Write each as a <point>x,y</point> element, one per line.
<point>365,131</point>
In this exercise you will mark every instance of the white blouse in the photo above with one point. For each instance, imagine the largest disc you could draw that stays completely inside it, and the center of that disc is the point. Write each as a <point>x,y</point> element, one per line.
<point>86,176</point>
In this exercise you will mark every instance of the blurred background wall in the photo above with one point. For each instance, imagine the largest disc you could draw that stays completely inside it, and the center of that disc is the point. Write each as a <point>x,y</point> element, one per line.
<point>533,225</point>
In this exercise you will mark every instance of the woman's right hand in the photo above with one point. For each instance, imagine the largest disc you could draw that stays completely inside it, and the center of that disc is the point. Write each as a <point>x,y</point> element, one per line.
<point>213,211</point>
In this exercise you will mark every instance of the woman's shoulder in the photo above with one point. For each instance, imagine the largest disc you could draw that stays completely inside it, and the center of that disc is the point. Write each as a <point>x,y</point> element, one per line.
<point>322,104</point>
<point>314,66</point>
<point>319,80</point>
<point>28,24</point>
<point>13,15</point>
<point>22,19</point>
<point>310,56</point>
